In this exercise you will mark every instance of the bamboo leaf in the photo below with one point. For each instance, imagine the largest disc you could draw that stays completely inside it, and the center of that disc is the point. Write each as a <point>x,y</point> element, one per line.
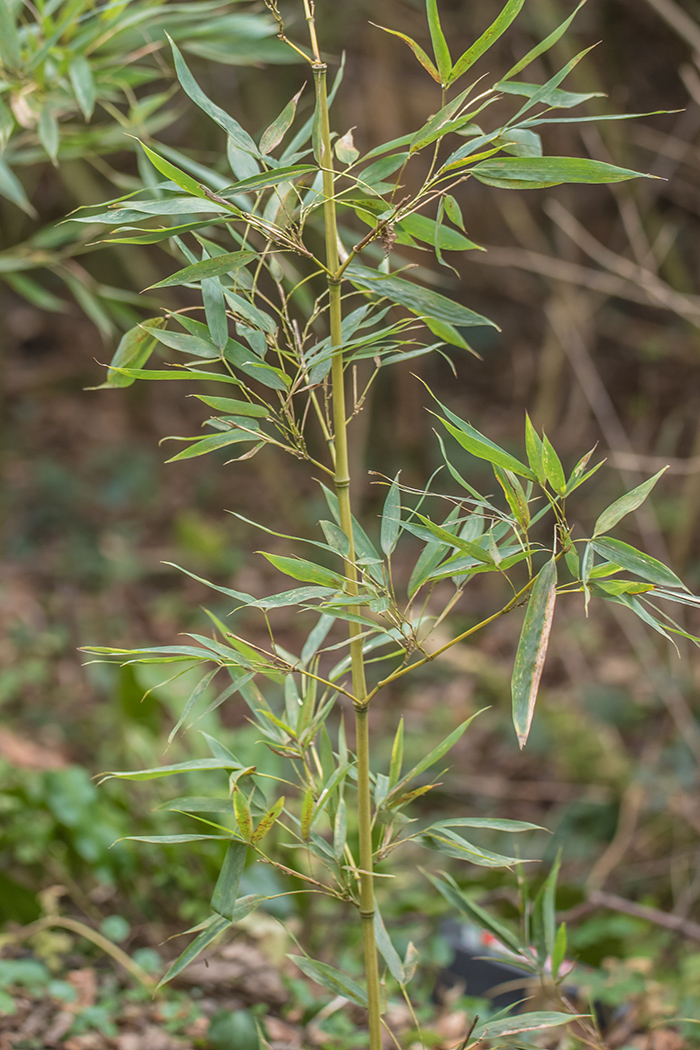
<point>396,756</point>
<point>625,505</point>
<point>544,45</point>
<point>437,37</point>
<point>421,301</point>
<point>628,557</point>
<point>532,173</point>
<point>416,49</point>
<point>487,38</point>
<point>391,518</point>
<point>306,571</point>
<point>273,135</point>
<point>532,649</point>
<point>202,941</point>
<point>83,84</point>
<point>533,1022</point>
<point>172,172</point>
<point>481,447</point>
<point>221,264</point>
<point>454,896</point>
<point>133,351</point>
<point>225,894</point>
<point>554,472</point>
<point>435,754</point>
<point>389,953</point>
<point>196,765</point>
<point>331,979</point>
<point>48,133</point>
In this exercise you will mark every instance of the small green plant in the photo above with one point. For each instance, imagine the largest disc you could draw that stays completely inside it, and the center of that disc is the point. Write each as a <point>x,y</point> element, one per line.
<point>277,257</point>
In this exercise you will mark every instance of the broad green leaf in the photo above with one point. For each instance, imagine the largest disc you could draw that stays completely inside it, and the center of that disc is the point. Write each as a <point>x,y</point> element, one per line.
<point>421,301</point>
<point>625,505</point>
<point>553,469</point>
<point>437,37</point>
<point>306,571</point>
<point>391,518</point>
<point>387,949</point>
<point>487,38</point>
<point>134,350</point>
<point>202,941</point>
<point>273,135</point>
<point>416,49</point>
<point>481,447</point>
<point>232,407</point>
<point>331,979</point>
<point>454,896</point>
<point>233,129</point>
<point>226,890</point>
<point>221,264</point>
<point>532,649</point>
<point>628,557</point>
<point>533,1022</point>
<point>531,173</point>
<point>83,84</point>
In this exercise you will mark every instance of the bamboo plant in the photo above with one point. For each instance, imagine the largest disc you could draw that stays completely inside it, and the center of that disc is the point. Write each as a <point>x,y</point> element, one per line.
<point>303,290</point>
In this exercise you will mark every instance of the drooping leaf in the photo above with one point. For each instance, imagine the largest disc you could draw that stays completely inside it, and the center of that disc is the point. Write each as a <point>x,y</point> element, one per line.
<point>421,301</point>
<point>273,135</point>
<point>416,49</point>
<point>225,894</point>
<point>83,84</point>
<point>391,518</point>
<point>628,557</point>
<point>454,896</point>
<point>625,505</point>
<point>134,350</point>
<point>532,649</point>
<point>202,941</point>
<point>435,754</point>
<point>331,979</point>
<point>387,949</point>
<point>531,173</point>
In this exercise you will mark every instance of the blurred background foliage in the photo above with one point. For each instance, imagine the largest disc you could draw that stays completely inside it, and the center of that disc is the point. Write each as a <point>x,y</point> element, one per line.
<point>596,292</point>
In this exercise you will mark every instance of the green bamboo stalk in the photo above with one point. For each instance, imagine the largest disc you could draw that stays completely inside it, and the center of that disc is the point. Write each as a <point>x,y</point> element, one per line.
<point>342,488</point>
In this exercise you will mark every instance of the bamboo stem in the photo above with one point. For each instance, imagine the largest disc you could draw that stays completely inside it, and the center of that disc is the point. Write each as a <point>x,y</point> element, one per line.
<point>342,488</point>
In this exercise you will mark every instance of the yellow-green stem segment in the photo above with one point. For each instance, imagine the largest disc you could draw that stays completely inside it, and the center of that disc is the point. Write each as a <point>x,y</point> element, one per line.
<point>342,488</point>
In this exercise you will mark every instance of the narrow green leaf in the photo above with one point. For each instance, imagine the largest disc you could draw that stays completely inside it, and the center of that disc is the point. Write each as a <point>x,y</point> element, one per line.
<point>531,173</point>
<point>10,52</point>
<point>492,823</point>
<point>196,765</point>
<point>628,557</point>
<point>474,550</point>
<point>625,505</point>
<point>194,697</point>
<point>306,571</point>
<point>48,133</point>
<point>435,754</point>
<point>437,37</point>
<point>559,953</point>
<point>233,129</point>
<point>202,941</point>
<point>391,518</point>
<point>225,894</point>
<point>487,38</point>
<point>396,756</point>
<point>215,311</point>
<point>221,264</point>
<point>331,979</point>
<point>174,840</point>
<point>134,350</point>
<point>83,84</point>
<point>481,447</point>
<point>172,172</point>
<point>454,896</point>
<point>340,830</point>
<point>532,649</point>
<point>421,301</point>
<point>453,845</point>
<point>273,135</point>
<point>555,96</point>
<point>205,445</point>
<point>232,407</point>
<point>12,188</point>
<point>416,49</point>
<point>543,46</point>
<point>553,469</point>
<point>307,809</point>
<point>387,949</point>
<point>533,1022</point>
